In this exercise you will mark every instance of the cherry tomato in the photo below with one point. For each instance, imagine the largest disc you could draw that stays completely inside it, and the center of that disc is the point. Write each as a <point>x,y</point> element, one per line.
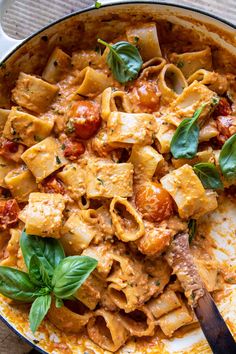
<point>11,150</point>
<point>226,126</point>
<point>223,108</point>
<point>9,211</point>
<point>73,149</point>
<point>52,185</point>
<point>145,96</point>
<point>153,202</point>
<point>84,119</point>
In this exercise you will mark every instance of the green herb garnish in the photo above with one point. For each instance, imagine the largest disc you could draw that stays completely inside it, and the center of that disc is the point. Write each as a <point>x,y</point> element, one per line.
<point>50,274</point>
<point>227,158</point>
<point>70,127</point>
<point>100,181</point>
<point>184,143</point>
<point>192,229</point>
<point>124,60</point>
<point>97,4</point>
<point>208,174</point>
<point>180,64</point>
<point>58,160</point>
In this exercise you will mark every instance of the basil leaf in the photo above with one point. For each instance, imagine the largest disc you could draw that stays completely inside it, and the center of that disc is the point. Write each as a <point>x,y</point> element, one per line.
<point>124,60</point>
<point>227,158</point>
<point>48,250</point>
<point>184,143</point>
<point>70,274</point>
<point>17,285</point>
<point>38,311</point>
<point>208,174</point>
<point>192,229</point>
<point>38,273</point>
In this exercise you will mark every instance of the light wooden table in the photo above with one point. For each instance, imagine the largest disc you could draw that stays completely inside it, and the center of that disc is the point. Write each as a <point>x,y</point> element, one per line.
<point>20,21</point>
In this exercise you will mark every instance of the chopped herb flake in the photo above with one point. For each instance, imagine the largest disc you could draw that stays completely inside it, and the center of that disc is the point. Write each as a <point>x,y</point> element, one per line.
<point>180,64</point>
<point>70,127</point>
<point>157,282</point>
<point>37,138</point>
<point>215,101</point>
<point>63,146</point>
<point>100,181</point>
<point>58,160</point>
<point>97,4</point>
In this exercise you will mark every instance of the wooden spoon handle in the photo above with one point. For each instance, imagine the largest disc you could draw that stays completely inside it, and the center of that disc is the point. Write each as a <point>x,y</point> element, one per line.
<point>214,327</point>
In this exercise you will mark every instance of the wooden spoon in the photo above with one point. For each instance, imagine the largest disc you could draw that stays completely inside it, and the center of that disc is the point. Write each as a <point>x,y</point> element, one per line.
<point>213,326</point>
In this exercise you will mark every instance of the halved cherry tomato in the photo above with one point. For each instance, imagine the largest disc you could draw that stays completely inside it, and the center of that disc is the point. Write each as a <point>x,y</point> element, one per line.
<point>73,149</point>
<point>153,201</point>
<point>84,119</point>
<point>223,108</point>
<point>145,96</point>
<point>52,185</point>
<point>9,211</point>
<point>226,126</point>
<point>11,150</point>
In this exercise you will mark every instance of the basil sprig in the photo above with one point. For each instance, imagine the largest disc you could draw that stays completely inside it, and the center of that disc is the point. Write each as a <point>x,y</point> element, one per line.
<point>50,252</point>
<point>17,285</point>
<point>124,60</point>
<point>184,143</point>
<point>227,158</point>
<point>50,274</point>
<point>208,174</point>
<point>70,275</point>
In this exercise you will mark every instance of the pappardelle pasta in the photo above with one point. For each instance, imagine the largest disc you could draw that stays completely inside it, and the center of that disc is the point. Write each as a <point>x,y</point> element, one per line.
<point>113,152</point>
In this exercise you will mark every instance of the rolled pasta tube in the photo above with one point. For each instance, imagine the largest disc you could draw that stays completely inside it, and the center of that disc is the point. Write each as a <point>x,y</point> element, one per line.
<point>26,128</point>
<point>164,135</point>
<point>127,222</point>
<point>68,320</point>
<point>175,319</point>
<point>21,183</point>
<point>57,65</point>
<point>165,303</point>
<point>90,292</point>
<point>106,103</point>
<point>78,231</point>
<point>91,82</point>
<point>208,131</point>
<point>114,101</point>
<point>33,93</point>
<point>190,62</point>
<point>152,68</point>
<point>12,249</point>
<point>139,322</point>
<point>213,80</point>
<point>4,113</point>
<point>145,160</point>
<point>83,202</point>
<point>120,102</point>
<point>73,177</point>
<point>103,254</point>
<point>106,330</point>
<point>123,298</point>
<point>145,36</point>
<point>130,128</point>
<point>192,98</point>
<point>171,83</point>
<point>6,167</point>
<point>201,156</point>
